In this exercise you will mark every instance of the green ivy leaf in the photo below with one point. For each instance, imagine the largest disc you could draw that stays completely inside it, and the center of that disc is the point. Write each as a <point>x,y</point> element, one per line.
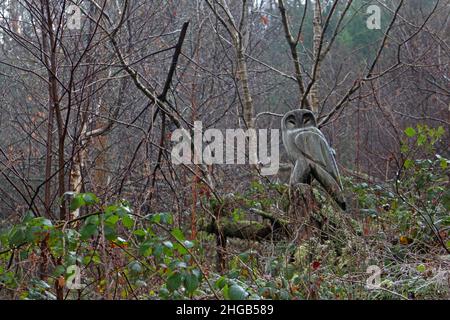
<point>191,282</point>
<point>410,132</point>
<point>181,250</point>
<point>76,203</point>
<point>111,209</point>
<point>156,218</point>
<point>188,244</point>
<point>168,244</point>
<point>174,281</point>
<point>421,268</point>
<point>440,131</point>
<point>163,217</point>
<point>41,221</point>
<point>121,241</point>
<point>127,221</point>
<point>110,233</point>
<point>124,209</point>
<point>158,250</point>
<point>112,219</point>
<point>59,270</point>
<point>82,199</point>
<point>443,162</point>
<point>163,293</point>
<point>220,283</point>
<point>408,163</point>
<point>87,231</point>
<point>90,198</point>
<point>136,267</point>
<point>225,290</point>
<point>91,258</point>
<point>178,234</point>
<point>17,237</point>
<point>94,219</point>
<point>145,248</point>
<point>404,148</point>
<point>421,139</point>
<point>140,233</point>
<point>236,292</point>
<point>28,217</point>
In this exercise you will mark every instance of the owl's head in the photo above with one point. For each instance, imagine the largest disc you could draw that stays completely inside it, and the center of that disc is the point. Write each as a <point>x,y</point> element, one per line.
<point>298,119</point>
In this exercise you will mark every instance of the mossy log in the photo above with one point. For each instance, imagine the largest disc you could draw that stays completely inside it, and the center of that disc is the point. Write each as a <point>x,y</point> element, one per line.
<point>247,229</point>
<point>302,205</point>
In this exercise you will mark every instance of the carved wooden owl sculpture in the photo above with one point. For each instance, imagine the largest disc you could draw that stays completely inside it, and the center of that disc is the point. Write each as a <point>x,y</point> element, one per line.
<point>309,151</point>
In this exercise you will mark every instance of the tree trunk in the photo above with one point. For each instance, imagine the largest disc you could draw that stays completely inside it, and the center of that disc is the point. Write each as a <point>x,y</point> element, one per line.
<point>295,58</point>
<point>241,43</point>
<point>317,26</point>
<point>249,112</point>
<point>101,160</point>
<point>302,205</point>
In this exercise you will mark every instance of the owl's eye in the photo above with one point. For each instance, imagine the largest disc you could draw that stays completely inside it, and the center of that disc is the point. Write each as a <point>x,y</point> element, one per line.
<point>306,120</point>
<point>290,123</point>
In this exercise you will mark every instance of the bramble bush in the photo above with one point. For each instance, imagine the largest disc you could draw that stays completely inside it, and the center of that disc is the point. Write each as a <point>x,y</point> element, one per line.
<point>400,226</point>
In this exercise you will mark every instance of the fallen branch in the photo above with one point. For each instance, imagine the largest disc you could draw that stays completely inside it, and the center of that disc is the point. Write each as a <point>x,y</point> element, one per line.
<point>248,229</point>
<point>245,229</point>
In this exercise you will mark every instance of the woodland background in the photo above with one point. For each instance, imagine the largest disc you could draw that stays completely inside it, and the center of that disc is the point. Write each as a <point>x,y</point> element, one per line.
<point>85,172</point>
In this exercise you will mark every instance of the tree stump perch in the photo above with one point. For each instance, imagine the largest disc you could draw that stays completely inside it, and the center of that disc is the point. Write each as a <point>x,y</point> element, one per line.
<point>302,205</point>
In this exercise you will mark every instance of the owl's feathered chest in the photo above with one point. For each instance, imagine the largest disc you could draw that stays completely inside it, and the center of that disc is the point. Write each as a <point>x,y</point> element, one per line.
<point>297,141</point>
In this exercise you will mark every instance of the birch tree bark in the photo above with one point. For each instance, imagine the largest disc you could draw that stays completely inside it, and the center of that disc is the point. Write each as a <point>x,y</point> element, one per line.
<point>317,27</point>
<point>239,33</point>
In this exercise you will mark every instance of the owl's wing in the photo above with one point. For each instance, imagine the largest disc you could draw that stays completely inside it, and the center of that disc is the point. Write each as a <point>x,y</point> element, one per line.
<point>315,148</point>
